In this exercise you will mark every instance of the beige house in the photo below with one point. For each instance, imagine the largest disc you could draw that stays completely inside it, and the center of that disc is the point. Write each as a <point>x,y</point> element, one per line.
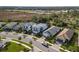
<point>64,36</point>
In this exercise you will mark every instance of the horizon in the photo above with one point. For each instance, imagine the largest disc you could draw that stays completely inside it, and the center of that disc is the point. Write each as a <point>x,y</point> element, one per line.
<point>40,7</point>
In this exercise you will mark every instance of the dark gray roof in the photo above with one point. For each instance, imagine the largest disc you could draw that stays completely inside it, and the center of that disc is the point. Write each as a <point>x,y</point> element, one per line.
<point>51,31</point>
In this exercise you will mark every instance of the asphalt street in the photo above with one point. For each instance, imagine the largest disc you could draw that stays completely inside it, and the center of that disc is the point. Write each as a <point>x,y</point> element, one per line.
<point>35,43</point>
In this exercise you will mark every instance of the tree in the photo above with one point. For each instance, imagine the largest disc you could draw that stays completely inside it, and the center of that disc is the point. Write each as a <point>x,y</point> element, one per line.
<point>30,42</point>
<point>77,22</point>
<point>34,19</point>
<point>43,19</point>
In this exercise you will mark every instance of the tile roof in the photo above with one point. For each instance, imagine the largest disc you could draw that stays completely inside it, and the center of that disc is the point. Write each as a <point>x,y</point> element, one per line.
<point>66,33</point>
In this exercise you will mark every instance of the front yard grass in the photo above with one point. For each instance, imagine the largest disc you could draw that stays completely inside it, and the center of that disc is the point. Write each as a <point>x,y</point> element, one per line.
<point>13,47</point>
<point>1,30</point>
<point>28,44</point>
<point>51,40</point>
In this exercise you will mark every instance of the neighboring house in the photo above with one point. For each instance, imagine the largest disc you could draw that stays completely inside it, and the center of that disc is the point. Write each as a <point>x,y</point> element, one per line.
<point>2,24</point>
<point>39,28</point>
<point>28,26</point>
<point>18,27</point>
<point>64,36</point>
<point>9,26</point>
<point>2,44</point>
<point>51,31</point>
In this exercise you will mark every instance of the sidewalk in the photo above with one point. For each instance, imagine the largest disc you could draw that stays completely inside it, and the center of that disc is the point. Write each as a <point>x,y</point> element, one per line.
<point>18,43</point>
<point>54,46</point>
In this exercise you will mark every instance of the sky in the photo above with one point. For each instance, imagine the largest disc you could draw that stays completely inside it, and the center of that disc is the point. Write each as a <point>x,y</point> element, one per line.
<point>39,2</point>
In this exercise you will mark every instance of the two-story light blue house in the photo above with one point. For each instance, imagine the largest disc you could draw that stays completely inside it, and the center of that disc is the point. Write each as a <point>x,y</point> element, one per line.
<point>39,28</point>
<point>28,26</point>
<point>51,31</point>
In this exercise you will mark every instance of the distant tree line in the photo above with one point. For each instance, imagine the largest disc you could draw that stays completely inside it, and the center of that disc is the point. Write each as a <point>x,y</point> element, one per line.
<point>68,19</point>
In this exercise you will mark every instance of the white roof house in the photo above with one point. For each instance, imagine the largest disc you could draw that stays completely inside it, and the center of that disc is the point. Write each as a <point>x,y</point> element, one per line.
<point>66,34</point>
<point>51,31</point>
<point>38,28</point>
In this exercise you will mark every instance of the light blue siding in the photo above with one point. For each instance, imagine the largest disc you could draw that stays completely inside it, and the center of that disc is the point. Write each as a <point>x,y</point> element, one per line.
<point>37,28</point>
<point>28,26</point>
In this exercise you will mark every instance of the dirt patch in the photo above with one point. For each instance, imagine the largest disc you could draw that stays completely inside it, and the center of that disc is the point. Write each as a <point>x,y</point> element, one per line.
<point>16,15</point>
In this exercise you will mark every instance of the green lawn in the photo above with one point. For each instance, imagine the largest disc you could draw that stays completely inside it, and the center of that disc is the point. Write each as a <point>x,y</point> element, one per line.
<point>13,47</point>
<point>28,44</point>
<point>51,39</point>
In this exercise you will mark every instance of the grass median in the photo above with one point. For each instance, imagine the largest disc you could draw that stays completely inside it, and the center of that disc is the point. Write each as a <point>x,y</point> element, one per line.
<point>28,44</point>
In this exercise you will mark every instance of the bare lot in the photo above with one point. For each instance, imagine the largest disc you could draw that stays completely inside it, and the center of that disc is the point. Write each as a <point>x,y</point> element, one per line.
<point>16,15</point>
<point>4,15</point>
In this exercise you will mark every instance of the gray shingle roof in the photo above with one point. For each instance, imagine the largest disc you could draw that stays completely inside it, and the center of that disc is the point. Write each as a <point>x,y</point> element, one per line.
<point>17,27</point>
<point>10,25</point>
<point>51,31</point>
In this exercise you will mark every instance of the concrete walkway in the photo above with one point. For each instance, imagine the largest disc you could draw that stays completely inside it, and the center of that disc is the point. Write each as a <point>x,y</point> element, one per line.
<point>21,44</point>
<point>17,43</point>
